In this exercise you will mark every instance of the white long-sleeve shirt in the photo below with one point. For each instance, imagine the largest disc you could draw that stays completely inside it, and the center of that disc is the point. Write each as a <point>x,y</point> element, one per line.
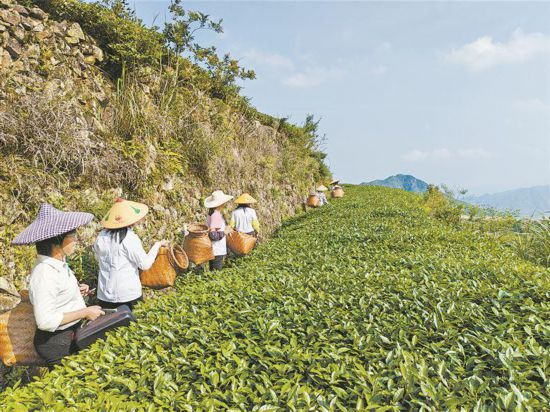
<point>119,265</point>
<point>242,219</point>
<point>53,291</point>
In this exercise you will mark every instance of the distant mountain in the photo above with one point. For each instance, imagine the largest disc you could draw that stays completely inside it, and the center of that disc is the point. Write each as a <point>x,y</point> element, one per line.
<point>405,182</point>
<point>528,201</point>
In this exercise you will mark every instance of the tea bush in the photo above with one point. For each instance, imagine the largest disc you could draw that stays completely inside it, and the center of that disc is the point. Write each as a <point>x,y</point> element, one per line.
<point>364,304</point>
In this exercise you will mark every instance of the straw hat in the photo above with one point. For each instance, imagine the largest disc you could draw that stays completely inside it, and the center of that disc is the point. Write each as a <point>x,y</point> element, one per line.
<point>216,199</point>
<point>245,199</point>
<point>322,188</point>
<point>124,213</point>
<point>51,222</point>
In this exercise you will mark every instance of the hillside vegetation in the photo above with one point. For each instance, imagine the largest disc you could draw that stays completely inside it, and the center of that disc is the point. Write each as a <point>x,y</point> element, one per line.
<point>94,105</point>
<point>366,303</point>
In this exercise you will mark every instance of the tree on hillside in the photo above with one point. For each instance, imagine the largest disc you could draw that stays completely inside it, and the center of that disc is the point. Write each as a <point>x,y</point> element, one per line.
<point>180,38</point>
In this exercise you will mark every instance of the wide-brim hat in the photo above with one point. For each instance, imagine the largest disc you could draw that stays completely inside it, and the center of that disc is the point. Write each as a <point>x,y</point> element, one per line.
<point>322,188</point>
<point>245,199</point>
<point>334,182</point>
<point>51,222</point>
<point>216,199</point>
<point>124,213</point>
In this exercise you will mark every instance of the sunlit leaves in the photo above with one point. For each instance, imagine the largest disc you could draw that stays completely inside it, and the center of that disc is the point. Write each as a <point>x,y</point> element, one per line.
<point>366,304</point>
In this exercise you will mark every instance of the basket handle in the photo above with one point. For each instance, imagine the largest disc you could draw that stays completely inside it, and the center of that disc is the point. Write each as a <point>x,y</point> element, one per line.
<point>172,257</point>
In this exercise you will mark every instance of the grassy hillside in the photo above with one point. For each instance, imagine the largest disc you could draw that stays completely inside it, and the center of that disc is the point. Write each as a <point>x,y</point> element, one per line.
<point>365,303</point>
<point>94,105</point>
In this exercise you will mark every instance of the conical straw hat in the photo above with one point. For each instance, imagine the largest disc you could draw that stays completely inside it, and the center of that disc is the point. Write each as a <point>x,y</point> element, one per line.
<point>245,199</point>
<point>124,213</point>
<point>216,199</point>
<point>322,188</point>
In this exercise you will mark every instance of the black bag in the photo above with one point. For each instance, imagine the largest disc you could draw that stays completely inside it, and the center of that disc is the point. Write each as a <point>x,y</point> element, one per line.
<point>89,332</point>
<point>216,235</point>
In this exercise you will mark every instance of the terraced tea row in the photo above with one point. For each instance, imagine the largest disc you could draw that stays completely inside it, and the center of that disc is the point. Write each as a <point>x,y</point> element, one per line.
<point>362,304</point>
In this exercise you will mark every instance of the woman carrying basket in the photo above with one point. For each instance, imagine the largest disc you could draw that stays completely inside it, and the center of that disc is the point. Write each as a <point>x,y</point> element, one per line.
<point>54,291</point>
<point>217,227</point>
<point>244,218</point>
<point>120,255</point>
<point>322,196</point>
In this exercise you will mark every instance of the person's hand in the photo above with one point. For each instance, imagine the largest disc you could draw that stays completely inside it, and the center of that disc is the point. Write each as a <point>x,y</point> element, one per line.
<point>165,243</point>
<point>84,289</point>
<point>228,229</point>
<point>94,312</point>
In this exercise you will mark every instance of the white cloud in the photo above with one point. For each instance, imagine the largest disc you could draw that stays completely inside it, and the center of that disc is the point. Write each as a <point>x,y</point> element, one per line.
<point>293,74</point>
<point>384,47</point>
<point>418,155</point>
<point>532,106</point>
<point>484,53</point>
<point>474,154</point>
<point>313,77</point>
<point>378,70</point>
<point>271,60</point>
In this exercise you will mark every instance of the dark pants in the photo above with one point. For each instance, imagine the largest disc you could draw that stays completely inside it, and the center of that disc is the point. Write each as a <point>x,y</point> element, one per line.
<point>114,305</point>
<point>54,346</point>
<point>216,263</point>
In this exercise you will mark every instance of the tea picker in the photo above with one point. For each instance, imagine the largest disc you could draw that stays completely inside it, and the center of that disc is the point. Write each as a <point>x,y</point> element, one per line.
<point>57,298</point>
<point>321,194</point>
<point>336,191</point>
<point>217,228</point>
<point>244,221</point>
<point>120,254</point>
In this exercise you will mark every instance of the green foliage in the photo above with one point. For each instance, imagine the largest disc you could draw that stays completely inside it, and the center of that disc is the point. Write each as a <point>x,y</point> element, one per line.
<point>121,35</point>
<point>127,42</point>
<point>442,206</point>
<point>179,35</point>
<point>532,242</point>
<point>368,304</point>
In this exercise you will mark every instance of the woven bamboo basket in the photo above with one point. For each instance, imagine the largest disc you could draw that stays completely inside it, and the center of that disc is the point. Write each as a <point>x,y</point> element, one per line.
<point>240,243</point>
<point>170,262</point>
<point>313,201</point>
<point>17,329</point>
<point>337,192</point>
<point>198,245</point>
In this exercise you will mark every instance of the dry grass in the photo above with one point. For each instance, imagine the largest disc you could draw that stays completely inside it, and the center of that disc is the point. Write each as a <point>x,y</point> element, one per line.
<point>533,243</point>
<point>54,135</point>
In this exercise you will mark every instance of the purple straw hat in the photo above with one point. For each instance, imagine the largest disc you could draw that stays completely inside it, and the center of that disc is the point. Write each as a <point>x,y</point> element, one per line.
<point>51,222</point>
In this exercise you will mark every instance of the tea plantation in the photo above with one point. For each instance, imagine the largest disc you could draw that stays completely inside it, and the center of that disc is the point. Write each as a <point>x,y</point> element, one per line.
<point>364,304</point>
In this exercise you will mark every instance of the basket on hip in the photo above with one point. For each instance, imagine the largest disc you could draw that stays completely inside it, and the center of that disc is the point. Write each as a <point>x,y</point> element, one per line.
<point>170,262</point>
<point>337,192</point>
<point>198,245</point>
<point>313,201</point>
<point>17,329</point>
<point>240,243</point>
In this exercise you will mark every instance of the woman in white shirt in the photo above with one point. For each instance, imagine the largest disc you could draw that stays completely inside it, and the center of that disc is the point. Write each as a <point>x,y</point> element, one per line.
<point>120,254</point>
<point>244,219</point>
<point>54,292</point>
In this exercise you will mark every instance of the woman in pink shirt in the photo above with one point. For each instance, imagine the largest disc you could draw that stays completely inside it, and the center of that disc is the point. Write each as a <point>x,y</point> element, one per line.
<point>217,227</point>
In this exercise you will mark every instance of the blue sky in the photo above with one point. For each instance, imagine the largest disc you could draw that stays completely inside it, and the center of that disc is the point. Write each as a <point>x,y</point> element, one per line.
<point>451,92</point>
